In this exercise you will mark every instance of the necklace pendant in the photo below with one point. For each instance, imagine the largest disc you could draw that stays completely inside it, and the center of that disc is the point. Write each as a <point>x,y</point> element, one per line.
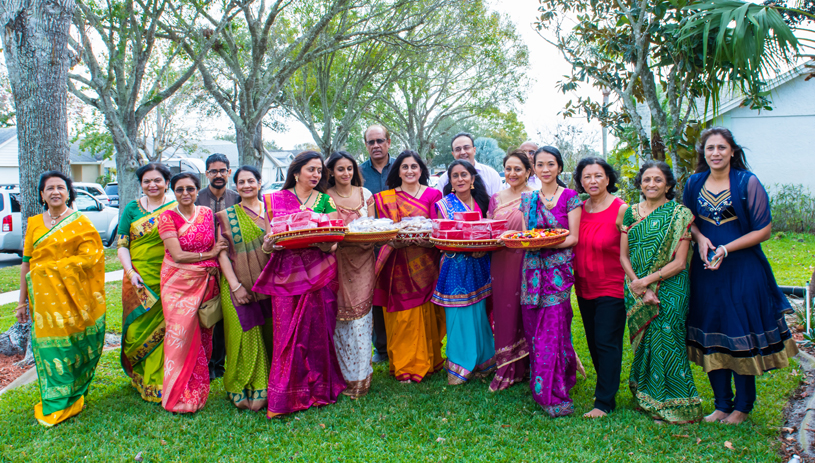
<point>53,222</point>
<point>302,207</point>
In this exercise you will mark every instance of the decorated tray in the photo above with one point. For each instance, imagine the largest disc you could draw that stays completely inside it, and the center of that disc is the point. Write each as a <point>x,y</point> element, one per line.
<point>534,239</point>
<point>298,239</point>
<point>370,237</point>
<point>412,236</point>
<point>466,245</point>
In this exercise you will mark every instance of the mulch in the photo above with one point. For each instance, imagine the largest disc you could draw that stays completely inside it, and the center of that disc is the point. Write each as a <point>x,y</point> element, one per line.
<point>9,371</point>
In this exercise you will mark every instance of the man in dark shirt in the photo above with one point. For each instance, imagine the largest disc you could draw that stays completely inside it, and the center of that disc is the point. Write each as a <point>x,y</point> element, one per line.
<point>375,172</point>
<point>217,197</point>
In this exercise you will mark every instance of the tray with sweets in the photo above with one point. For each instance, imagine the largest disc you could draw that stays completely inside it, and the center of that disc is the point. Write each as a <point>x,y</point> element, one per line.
<point>414,229</point>
<point>466,245</point>
<point>298,239</point>
<point>370,230</point>
<point>534,239</point>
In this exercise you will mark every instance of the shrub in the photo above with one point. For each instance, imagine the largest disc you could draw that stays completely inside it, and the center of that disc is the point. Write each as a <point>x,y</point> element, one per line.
<point>793,208</point>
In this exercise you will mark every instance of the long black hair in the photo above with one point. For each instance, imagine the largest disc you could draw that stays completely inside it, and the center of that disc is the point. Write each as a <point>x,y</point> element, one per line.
<point>394,180</point>
<point>479,191</point>
<point>739,160</point>
<point>558,158</point>
<point>69,185</point>
<point>666,171</point>
<point>356,179</point>
<point>297,165</point>
<point>585,162</point>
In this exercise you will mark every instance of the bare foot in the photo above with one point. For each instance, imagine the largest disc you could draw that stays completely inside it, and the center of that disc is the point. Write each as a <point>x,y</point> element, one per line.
<point>595,413</point>
<point>717,415</point>
<point>657,421</point>
<point>735,418</point>
<point>407,381</point>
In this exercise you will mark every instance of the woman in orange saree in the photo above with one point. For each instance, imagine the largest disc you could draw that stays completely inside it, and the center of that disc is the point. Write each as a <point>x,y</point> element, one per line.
<point>407,274</point>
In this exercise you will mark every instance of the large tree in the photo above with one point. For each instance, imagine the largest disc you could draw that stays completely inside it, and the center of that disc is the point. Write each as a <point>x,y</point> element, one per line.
<point>482,66</point>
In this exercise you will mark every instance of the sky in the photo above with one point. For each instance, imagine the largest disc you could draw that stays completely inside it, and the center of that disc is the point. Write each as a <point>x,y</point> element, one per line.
<point>544,101</point>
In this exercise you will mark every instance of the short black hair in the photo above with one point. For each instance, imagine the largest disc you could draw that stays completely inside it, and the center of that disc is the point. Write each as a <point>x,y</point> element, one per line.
<point>154,166</point>
<point>356,179</point>
<point>394,180</point>
<point>666,171</point>
<point>217,157</point>
<point>246,168</point>
<point>462,134</point>
<point>585,162</point>
<point>69,184</point>
<point>195,180</point>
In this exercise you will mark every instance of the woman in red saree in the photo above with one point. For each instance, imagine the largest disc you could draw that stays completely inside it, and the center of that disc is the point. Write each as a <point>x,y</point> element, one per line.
<point>406,276</point>
<point>188,278</point>
<point>303,286</point>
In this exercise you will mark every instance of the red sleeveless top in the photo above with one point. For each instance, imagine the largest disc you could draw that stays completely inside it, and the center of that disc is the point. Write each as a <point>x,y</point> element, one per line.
<point>597,267</point>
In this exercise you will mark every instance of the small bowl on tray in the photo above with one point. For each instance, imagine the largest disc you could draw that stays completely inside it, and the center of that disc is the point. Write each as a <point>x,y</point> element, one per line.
<point>298,239</point>
<point>534,239</point>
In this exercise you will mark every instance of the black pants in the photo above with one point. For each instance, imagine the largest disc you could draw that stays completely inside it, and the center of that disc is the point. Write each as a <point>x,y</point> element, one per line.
<point>720,382</point>
<point>604,321</point>
<point>218,360</point>
<point>379,337</point>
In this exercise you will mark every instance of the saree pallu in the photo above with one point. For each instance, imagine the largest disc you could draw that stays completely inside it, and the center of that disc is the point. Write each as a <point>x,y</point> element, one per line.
<point>303,282</point>
<point>546,307</point>
<point>187,345</point>
<point>248,327</point>
<point>143,324</point>
<point>464,284</point>
<point>405,281</point>
<point>511,349</point>
<point>660,379</point>
<point>66,291</point>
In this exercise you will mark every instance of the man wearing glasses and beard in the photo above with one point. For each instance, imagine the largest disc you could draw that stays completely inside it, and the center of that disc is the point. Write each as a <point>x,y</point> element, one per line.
<point>218,197</point>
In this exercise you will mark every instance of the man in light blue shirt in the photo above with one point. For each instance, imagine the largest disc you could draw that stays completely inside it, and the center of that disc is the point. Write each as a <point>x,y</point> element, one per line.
<point>463,146</point>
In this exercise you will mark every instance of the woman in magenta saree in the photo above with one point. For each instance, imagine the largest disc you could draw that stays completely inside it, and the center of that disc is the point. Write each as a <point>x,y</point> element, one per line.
<point>303,285</point>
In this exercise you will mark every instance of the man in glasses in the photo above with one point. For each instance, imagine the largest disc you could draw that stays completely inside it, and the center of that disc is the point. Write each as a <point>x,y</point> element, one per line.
<point>217,197</point>
<point>529,147</point>
<point>375,173</point>
<point>463,146</point>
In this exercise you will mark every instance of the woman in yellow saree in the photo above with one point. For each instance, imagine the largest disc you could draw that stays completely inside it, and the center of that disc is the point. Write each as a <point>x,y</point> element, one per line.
<point>62,284</point>
<point>141,252</point>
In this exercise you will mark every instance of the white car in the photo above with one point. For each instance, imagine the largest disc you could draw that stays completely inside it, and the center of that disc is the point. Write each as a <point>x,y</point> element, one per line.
<point>95,190</point>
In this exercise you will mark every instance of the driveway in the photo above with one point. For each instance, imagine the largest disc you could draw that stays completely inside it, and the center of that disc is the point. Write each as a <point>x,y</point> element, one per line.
<point>7,260</point>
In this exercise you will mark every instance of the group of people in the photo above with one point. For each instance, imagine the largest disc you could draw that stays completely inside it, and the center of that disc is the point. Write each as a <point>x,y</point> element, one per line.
<point>298,324</point>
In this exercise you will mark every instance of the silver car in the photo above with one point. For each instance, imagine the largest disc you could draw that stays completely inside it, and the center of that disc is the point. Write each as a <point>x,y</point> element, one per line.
<point>105,219</point>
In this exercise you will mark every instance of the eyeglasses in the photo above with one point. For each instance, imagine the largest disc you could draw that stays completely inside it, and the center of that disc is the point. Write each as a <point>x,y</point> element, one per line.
<point>376,141</point>
<point>217,172</point>
<point>148,181</point>
<point>530,152</point>
<point>188,189</point>
<point>459,149</point>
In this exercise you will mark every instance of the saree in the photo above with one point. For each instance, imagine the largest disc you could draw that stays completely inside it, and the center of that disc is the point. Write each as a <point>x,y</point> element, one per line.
<point>405,282</point>
<point>660,379</point>
<point>352,337</point>
<point>143,324</point>
<point>464,284</point>
<point>511,349</point>
<point>248,327</point>
<point>66,293</point>
<point>546,309</point>
<point>184,287</point>
<point>302,284</point>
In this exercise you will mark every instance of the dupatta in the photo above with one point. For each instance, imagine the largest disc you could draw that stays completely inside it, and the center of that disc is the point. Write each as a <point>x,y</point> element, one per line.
<point>652,244</point>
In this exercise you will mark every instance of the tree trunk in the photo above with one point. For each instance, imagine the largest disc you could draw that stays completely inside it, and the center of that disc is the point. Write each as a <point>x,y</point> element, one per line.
<point>250,145</point>
<point>127,162</point>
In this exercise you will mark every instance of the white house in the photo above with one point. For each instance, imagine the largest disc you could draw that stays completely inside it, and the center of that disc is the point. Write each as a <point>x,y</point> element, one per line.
<point>779,144</point>
<point>84,167</point>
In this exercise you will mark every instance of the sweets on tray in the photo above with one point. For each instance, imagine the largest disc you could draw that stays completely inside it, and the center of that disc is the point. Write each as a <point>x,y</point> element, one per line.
<point>303,221</point>
<point>444,225</point>
<point>478,229</point>
<point>535,234</point>
<point>415,225</point>
<point>371,225</point>
<point>471,216</point>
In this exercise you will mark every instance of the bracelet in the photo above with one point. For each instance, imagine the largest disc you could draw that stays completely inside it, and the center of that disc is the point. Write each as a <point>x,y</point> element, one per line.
<point>240,285</point>
<point>265,251</point>
<point>201,255</point>
<point>723,247</point>
<point>660,274</point>
<point>21,306</point>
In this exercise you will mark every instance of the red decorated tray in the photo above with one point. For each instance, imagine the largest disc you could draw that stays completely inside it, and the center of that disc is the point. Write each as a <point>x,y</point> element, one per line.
<point>534,239</point>
<point>466,245</point>
<point>299,239</point>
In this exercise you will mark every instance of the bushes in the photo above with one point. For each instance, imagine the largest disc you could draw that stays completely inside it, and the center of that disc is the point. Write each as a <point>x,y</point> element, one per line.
<point>793,208</point>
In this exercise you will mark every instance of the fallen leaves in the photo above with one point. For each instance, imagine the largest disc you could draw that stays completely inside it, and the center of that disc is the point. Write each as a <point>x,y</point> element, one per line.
<point>138,457</point>
<point>440,439</point>
<point>728,445</point>
<point>681,435</point>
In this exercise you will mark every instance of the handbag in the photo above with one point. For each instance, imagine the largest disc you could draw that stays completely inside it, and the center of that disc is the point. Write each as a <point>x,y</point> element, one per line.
<point>210,312</point>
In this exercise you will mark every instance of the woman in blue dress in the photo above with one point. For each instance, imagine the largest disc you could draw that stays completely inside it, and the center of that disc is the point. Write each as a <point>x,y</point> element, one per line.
<point>736,327</point>
<point>464,283</point>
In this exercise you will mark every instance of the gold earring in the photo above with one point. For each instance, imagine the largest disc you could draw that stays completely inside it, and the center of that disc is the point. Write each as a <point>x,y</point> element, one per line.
<point>296,178</point>
<point>472,186</point>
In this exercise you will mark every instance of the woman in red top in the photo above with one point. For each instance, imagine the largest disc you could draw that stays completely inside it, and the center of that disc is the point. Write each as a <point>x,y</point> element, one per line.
<point>599,277</point>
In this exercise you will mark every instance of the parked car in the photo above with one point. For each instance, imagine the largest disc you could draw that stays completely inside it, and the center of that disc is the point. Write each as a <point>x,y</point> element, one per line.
<point>95,190</point>
<point>112,190</point>
<point>105,219</point>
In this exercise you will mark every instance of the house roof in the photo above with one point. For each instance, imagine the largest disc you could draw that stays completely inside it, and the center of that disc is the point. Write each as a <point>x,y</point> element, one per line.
<point>9,152</point>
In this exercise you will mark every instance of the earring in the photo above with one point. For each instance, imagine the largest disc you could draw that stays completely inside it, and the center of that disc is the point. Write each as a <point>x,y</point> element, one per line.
<point>472,186</point>
<point>296,178</point>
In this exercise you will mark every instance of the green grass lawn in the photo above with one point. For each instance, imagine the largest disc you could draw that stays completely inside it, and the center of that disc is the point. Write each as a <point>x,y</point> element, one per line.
<point>430,421</point>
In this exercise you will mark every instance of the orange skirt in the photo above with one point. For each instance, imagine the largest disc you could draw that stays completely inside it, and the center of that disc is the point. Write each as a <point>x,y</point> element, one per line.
<point>414,341</point>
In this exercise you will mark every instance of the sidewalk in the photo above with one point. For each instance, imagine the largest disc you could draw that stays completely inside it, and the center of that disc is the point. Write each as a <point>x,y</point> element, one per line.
<point>13,296</point>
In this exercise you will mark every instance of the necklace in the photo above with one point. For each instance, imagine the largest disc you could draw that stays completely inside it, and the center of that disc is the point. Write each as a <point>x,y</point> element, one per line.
<point>471,204</point>
<point>591,210</point>
<point>415,195</point>
<point>258,212</point>
<point>549,200</point>
<point>302,204</point>
<point>54,219</point>
<point>189,221</point>
<point>342,195</point>
<point>147,201</point>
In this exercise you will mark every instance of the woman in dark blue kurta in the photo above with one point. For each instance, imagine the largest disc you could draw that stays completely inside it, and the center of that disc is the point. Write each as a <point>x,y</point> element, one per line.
<point>736,327</point>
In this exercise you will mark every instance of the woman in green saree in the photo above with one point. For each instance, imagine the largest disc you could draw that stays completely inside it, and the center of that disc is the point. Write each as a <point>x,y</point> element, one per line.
<point>141,252</point>
<point>654,253</point>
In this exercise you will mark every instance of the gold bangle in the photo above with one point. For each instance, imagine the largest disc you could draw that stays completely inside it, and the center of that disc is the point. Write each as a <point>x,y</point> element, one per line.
<point>265,251</point>
<point>660,274</point>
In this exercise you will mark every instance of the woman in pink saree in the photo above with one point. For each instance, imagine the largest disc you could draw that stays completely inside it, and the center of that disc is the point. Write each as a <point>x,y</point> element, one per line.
<point>303,285</point>
<point>188,279</point>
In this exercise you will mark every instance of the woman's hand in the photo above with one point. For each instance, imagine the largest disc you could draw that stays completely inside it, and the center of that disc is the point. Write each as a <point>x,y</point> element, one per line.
<point>22,312</point>
<point>717,259</point>
<point>241,296</point>
<point>479,254</point>
<point>220,245</point>
<point>638,286</point>
<point>135,280</point>
<point>212,271</point>
<point>397,244</point>
<point>650,298</point>
<point>425,244</point>
<point>325,247</point>
<point>269,244</point>
<point>704,248</point>
<point>362,246</point>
